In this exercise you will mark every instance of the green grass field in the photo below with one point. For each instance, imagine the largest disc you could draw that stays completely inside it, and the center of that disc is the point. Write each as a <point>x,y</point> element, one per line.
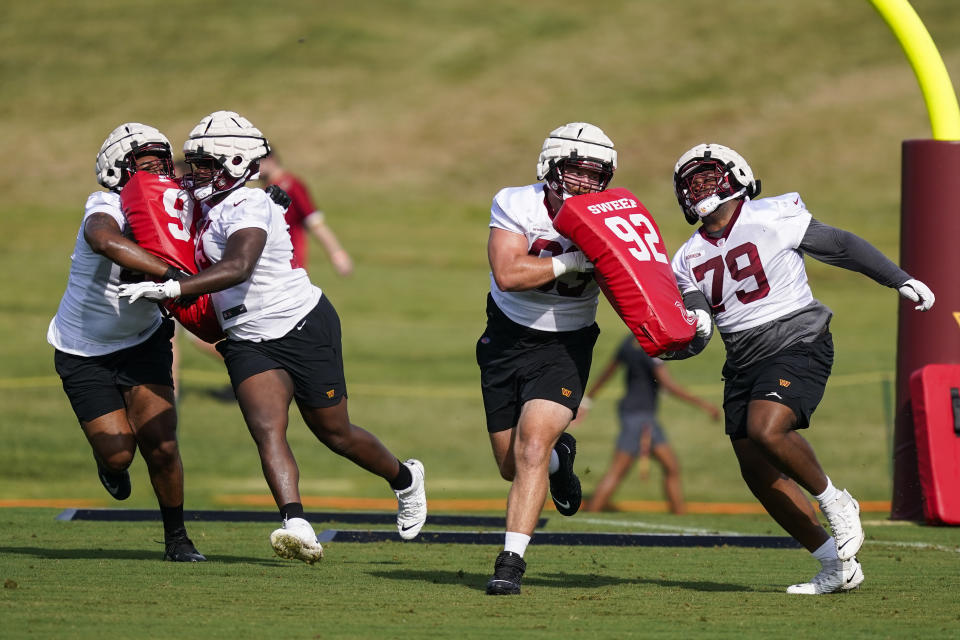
<point>405,118</point>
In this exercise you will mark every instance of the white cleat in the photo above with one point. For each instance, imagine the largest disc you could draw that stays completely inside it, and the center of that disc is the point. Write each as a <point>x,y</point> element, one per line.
<point>837,575</point>
<point>296,540</point>
<point>412,503</point>
<point>843,514</point>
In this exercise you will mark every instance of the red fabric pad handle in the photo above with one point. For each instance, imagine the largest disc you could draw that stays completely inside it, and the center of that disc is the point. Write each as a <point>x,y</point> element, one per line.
<point>618,235</point>
<point>935,399</point>
<point>158,217</point>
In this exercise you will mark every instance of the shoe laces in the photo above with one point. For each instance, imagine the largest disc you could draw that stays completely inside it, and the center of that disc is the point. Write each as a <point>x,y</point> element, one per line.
<point>413,498</point>
<point>509,567</point>
<point>842,516</point>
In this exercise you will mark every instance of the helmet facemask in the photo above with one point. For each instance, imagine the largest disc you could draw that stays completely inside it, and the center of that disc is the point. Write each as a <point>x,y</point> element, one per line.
<point>708,175</point>
<point>703,185</point>
<point>576,176</point>
<point>160,161</point>
<point>208,176</point>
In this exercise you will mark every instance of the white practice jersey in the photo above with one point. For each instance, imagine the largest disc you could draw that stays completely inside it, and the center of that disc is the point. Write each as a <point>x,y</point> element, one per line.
<point>754,272</point>
<point>269,304</point>
<point>565,304</point>
<point>92,320</point>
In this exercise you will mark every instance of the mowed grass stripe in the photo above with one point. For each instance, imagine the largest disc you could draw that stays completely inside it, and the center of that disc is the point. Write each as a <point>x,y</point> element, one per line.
<point>402,391</point>
<point>493,504</point>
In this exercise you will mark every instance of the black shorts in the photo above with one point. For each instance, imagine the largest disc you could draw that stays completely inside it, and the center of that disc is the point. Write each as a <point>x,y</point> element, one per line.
<point>94,384</point>
<point>796,377</point>
<point>518,364</point>
<point>310,352</point>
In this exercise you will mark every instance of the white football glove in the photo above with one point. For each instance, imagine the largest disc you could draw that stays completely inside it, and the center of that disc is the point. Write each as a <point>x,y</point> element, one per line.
<point>703,320</point>
<point>916,291</point>
<point>571,261</point>
<point>154,291</point>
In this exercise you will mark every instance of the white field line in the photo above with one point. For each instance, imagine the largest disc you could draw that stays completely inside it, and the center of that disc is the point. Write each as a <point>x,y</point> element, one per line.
<point>640,524</point>
<point>914,545</point>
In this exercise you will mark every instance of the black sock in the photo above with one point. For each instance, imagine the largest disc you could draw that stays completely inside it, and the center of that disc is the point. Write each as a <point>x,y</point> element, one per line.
<point>291,510</point>
<point>173,526</point>
<point>403,480</point>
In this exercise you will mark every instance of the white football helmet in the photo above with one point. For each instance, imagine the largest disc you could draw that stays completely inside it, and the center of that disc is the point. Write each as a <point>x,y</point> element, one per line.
<point>224,150</point>
<point>733,178</point>
<point>116,159</point>
<point>580,145</point>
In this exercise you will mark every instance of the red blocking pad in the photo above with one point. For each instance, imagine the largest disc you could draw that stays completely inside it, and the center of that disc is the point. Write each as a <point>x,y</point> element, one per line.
<point>935,398</point>
<point>160,218</point>
<point>632,266</point>
<point>199,318</point>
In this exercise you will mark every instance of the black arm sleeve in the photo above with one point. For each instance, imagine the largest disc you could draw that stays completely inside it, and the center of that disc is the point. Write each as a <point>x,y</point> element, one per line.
<point>840,248</point>
<point>692,300</point>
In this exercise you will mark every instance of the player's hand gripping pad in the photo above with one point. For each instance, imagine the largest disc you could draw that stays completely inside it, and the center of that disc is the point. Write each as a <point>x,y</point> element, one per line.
<point>160,218</point>
<point>620,238</point>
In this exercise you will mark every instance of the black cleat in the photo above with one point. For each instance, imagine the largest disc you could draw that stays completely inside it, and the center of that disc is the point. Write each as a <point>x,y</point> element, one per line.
<point>507,574</point>
<point>117,483</point>
<point>181,549</point>
<point>564,484</point>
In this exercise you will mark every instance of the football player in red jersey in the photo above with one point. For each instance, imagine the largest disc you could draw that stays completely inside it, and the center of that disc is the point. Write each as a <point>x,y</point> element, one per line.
<point>744,269</point>
<point>303,216</point>
<point>115,361</point>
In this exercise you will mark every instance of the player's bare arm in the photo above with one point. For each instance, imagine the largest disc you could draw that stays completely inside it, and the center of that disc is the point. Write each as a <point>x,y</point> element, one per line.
<point>339,257</point>
<point>515,270</point>
<point>240,257</point>
<point>103,235</point>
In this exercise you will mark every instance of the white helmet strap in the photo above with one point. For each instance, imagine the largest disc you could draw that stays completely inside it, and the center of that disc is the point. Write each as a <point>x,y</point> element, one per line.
<point>711,203</point>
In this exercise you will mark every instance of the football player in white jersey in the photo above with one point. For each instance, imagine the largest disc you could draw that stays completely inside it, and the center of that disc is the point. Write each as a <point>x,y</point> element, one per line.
<point>743,269</point>
<point>535,353</point>
<point>114,359</point>
<point>283,335</point>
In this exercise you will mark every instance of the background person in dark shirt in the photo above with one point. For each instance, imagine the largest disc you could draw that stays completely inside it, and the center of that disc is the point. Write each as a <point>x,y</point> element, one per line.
<point>640,434</point>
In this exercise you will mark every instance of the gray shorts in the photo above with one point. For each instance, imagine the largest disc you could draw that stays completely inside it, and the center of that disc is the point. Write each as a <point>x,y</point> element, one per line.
<point>632,427</point>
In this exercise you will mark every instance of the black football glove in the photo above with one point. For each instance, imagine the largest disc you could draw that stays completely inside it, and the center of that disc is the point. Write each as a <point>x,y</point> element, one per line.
<point>278,195</point>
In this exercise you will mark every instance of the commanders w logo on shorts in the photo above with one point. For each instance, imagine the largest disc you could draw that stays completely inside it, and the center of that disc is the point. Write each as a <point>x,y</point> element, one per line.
<point>566,392</point>
<point>784,383</point>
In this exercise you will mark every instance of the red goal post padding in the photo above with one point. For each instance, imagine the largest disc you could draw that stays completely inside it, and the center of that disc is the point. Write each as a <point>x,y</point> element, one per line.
<point>935,395</point>
<point>632,267</point>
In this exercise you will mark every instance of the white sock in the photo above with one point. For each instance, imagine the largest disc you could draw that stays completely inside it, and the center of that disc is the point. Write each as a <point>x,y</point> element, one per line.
<point>517,542</point>
<point>554,462</point>
<point>827,552</point>
<point>829,494</point>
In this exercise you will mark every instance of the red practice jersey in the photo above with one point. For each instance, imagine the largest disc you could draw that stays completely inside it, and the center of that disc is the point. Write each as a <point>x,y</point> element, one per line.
<point>160,217</point>
<point>301,206</point>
